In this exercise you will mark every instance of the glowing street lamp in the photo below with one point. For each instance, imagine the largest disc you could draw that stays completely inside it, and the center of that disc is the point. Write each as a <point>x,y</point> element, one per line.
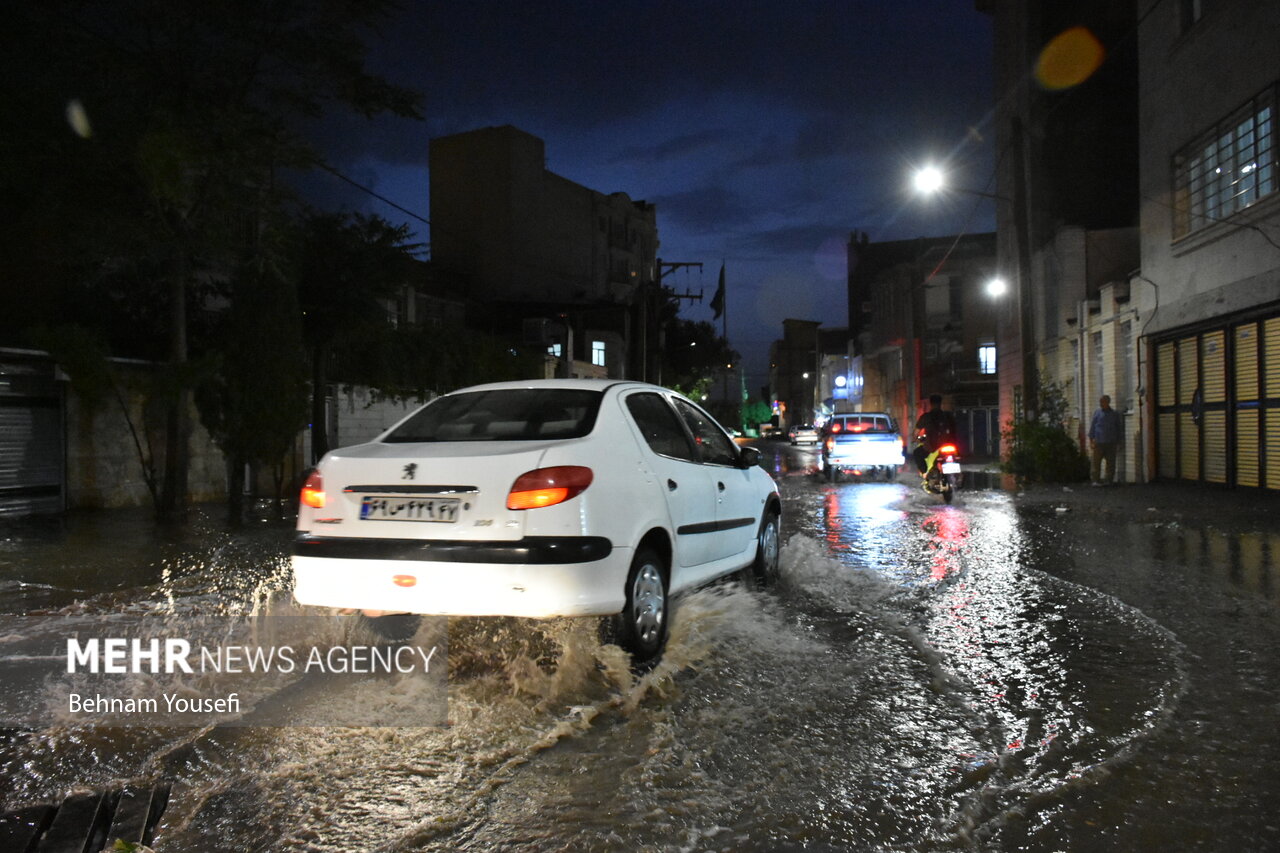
<point>929,180</point>
<point>997,287</point>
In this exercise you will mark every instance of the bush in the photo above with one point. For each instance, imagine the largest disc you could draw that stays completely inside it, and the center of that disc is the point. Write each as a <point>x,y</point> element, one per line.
<point>1044,453</point>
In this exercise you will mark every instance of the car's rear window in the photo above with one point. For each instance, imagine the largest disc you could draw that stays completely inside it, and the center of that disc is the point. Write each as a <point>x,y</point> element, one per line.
<point>512,414</point>
<point>864,423</point>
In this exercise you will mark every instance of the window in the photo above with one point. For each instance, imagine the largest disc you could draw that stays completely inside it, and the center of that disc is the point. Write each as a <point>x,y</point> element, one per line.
<point>1124,392</point>
<point>987,359</point>
<point>597,353</point>
<point>714,446</point>
<point>1227,169</point>
<point>660,427</point>
<point>1099,366</point>
<point>554,350</point>
<point>521,414</point>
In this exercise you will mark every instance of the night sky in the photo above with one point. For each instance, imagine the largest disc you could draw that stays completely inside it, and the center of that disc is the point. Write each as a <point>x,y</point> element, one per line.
<point>764,132</point>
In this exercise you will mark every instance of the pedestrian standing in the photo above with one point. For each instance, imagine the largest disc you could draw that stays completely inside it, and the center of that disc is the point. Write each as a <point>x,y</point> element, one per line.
<point>1105,431</point>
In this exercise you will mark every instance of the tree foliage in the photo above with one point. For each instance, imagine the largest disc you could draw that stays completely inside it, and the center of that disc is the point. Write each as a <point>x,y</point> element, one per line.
<point>694,357</point>
<point>253,399</point>
<point>1041,451</point>
<point>139,149</point>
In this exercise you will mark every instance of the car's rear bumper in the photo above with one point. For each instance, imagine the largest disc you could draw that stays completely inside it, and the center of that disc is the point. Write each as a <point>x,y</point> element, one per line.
<point>865,457</point>
<point>536,576</point>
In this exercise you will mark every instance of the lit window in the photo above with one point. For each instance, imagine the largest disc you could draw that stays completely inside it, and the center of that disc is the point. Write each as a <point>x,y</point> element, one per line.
<point>987,359</point>
<point>597,353</point>
<point>554,349</point>
<point>1226,169</point>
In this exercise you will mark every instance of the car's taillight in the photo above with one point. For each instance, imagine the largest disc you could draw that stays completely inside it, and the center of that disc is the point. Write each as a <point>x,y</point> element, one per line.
<point>831,442</point>
<point>313,491</point>
<point>548,486</point>
<point>947,449</point>
<point>835,427</point>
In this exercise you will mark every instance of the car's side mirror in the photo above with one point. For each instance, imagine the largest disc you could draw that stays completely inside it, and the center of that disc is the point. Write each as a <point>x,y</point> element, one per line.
<point>748,457</point>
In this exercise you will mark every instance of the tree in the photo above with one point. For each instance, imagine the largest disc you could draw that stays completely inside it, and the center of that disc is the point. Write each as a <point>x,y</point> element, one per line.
<point>347,267</point>
<point>253,398</point>
<point>694,356</point>
<point>178,117</point>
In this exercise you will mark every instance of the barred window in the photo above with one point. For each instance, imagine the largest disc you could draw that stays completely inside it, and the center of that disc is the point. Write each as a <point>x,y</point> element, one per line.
<point>1227,169</point>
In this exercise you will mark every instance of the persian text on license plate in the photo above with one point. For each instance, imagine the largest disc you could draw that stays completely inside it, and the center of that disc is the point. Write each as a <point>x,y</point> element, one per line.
<point>374,508</point>
<point>951,467</point>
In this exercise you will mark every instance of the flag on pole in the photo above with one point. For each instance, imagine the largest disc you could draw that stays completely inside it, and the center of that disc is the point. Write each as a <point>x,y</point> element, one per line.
<point>717,301</point>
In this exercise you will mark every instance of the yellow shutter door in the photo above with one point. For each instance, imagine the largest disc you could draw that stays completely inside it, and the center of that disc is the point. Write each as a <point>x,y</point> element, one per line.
<point>1188,432</point>
<point>1248,419</point>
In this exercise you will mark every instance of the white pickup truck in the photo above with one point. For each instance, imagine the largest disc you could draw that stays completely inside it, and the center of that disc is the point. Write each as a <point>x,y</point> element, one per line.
<point>862,443</point>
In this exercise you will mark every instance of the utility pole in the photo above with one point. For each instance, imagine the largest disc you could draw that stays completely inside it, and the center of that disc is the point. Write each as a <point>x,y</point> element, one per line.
<point>648,305</point>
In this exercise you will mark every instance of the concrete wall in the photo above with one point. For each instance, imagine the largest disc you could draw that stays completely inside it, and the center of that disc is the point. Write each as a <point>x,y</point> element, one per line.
<point>103,468</point>
<point>360,414</point>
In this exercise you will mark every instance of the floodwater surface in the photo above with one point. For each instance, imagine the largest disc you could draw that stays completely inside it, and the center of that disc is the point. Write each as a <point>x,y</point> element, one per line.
<point>980,676</point>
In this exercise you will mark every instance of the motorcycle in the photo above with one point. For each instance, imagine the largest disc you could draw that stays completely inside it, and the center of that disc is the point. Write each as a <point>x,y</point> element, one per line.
<point>943,475</point>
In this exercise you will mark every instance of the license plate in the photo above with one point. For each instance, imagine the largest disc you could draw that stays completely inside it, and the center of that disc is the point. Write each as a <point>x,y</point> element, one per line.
<point>444,510</point>
<point>951,467</point>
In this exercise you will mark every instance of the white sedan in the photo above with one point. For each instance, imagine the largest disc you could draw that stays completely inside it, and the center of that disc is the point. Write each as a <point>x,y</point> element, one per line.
<point>542,498</point>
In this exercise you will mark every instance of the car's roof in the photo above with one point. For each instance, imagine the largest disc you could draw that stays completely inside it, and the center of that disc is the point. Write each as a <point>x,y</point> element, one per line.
<point>573,384</point>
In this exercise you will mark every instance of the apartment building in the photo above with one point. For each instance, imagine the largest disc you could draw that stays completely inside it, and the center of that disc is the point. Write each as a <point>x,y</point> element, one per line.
<point>544,247</point>
<point>1210,241</point>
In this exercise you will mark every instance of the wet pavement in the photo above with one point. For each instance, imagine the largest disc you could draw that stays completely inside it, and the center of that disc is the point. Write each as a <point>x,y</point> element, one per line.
<point>1053,669</point>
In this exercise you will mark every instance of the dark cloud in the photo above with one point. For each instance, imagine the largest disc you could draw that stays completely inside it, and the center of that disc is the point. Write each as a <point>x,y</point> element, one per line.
<point>763,131</point>
<point>704,208</point>
<point>678,146</point>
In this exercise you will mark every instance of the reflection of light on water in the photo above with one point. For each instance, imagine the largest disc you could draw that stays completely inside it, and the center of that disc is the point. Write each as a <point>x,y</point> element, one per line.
<point>948,529</point>
<point>851,514</point>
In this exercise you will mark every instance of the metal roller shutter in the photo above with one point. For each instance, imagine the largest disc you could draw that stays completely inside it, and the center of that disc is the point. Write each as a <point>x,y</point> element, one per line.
<point>30,454</point>
<point>1188,432</point>
<point>1248,416</point>
<point>1270,451</point>
<point>1213,423</point>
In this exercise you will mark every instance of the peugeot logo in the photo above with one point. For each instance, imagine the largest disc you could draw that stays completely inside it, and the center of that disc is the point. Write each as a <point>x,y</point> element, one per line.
<point>409,471</point>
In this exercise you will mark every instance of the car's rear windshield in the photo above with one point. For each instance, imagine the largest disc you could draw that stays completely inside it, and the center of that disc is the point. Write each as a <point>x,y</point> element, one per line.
<point>865,423</point>
<point>514,414</point>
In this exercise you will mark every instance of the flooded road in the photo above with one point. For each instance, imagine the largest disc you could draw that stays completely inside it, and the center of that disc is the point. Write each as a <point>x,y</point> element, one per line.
<point>998,674</point>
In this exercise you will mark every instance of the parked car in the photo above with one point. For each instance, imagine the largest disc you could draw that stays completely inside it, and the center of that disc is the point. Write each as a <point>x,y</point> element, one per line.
<point>803,434</point>
<point>862,443</point>
<point>541,499</point>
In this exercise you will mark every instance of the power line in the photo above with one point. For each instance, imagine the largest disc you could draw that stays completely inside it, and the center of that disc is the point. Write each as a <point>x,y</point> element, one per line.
<point>332,171</point>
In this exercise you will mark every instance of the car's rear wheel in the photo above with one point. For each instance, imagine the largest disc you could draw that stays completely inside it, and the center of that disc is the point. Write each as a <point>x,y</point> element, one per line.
<point>764,570</point>
<point>392,628</point>
<point>641,628</point>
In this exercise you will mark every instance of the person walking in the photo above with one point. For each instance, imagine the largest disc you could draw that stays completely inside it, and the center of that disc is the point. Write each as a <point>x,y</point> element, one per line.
<point>1105,431</point>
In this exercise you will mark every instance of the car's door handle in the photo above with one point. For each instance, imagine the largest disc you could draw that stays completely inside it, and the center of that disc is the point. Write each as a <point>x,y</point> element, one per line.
<point>721,485</point>
<point>672,485</point>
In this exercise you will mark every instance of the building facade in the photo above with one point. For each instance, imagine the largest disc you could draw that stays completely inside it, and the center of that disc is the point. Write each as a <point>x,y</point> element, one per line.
<point>924,322</point>
<point>542,246</point>
<point>1210,225</point>
<point>1186,341</point>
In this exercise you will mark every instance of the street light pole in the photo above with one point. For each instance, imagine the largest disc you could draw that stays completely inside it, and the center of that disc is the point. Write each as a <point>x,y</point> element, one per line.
<point>929,180</point>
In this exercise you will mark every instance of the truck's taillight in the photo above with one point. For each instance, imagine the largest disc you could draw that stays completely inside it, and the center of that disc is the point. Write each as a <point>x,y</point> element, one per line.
<point>548,486</point>
<point>313,491</point>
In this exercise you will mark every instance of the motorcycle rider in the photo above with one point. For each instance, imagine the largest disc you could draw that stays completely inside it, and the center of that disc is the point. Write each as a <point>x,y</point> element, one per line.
<point>934,428</point>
